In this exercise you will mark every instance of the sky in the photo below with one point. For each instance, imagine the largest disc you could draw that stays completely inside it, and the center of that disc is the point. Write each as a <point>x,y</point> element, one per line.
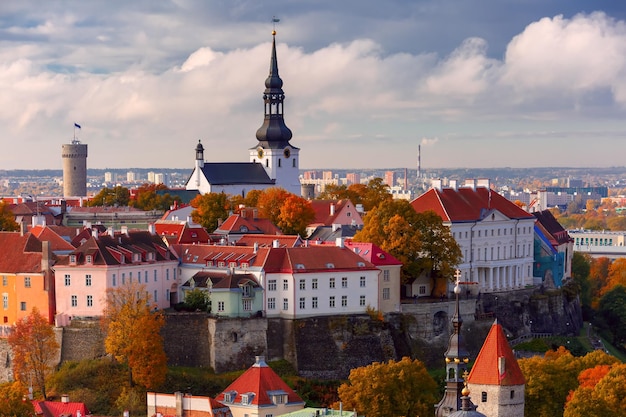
<point>476,83</point>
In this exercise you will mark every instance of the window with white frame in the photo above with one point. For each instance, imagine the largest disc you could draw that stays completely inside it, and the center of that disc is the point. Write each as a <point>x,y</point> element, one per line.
<point>285,304</point>
<point>155,275</point>
<point>362,300</point>
<point>114,280</point>
<point>362,282</point>
<point>302,284</point>
<point>145,276</point>
<point>331,301</point>
<point>386,275</point>
<point>422,289</point>
<point>5,301</point>
<point>220,306</point>
<point>90,301</point>
<point>123,278</point>
<point>385,293</point>
<point>167,295</point>
<point>285,285</point>
<point>27,282</point>
<point>344,300</point>
<point>247,305</point>
<point>130,277</point>
<point>302,303</point>
<point>68,280</point>
<point>271,285</point>
<point>344,282</point>
<point>88,280</point>
<point>332,283</point>
<point>5,281</point>
<point>156,296</point>
<point>314,283</point>
<point>314,302</point>
<point>74,299</point>
<point>271,303</point>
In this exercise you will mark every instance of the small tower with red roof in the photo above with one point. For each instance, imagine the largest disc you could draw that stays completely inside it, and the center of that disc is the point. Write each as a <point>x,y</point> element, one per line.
<point>496,379</point>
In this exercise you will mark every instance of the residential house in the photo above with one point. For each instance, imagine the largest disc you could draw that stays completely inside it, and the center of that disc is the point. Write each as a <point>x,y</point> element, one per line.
<point>106,262</point>
<point>318,280</point>
<point>59,243</point>
<point>260,392</point>
<point>246,222</point>
<point>63,408</point>
<point>180,232</point>
<point>495,236</point>
<point>329,212</point>
<point>496,380</point>
<point>390,277</point>
<point>184,405</point>
<point>27,278</point>
<point>554,249</point>
<point>269,241</point>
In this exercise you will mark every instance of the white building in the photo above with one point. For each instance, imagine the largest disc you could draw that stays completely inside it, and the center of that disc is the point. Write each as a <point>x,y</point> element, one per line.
<point>496,237</point>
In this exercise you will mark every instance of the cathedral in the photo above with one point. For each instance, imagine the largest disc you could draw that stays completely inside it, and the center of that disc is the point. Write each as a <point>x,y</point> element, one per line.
<point>273,160</point>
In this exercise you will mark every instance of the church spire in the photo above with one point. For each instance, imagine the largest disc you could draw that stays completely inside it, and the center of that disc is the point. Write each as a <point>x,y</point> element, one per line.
<point>457,358</point>
<point>273,134</point>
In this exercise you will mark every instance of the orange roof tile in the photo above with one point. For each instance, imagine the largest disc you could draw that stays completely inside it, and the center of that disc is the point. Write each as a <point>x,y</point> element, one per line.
<point>20,254</point>
<point>496,363</point>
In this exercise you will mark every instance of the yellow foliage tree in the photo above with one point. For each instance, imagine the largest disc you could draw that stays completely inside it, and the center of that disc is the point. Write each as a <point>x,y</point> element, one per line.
<point>35,349</point>
<point>12,402</point>
<point>133,334</point>
<point>401,388</point>
<point>607,397</point>
<point>296,213</point>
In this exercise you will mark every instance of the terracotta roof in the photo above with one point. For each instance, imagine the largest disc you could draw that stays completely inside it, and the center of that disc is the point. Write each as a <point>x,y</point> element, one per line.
<point>236,223</point>
<point>267,241</point>
<point>314,258</point>
<point>19,253</point>
<point>57,242</point>
<point>181,232</point>
<point>466,204</point>
<point>262,381</point>
<point>322,210</point>
<point>372,253</point>
<point>59,408</point>
<point>219,280</point>
<point>496,363</point>
<point>199,254</point>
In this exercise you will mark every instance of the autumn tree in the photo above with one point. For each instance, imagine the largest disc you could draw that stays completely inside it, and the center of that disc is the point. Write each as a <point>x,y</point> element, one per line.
<point>370,195</point>
<point>602,394</point>
<point>117,196</point>
<point>296,213</point>
<point>7,219</point>
<point>153,197</point>
<point>611,315</point>
<point>402,388</point>
<point>133,336</point>
<point>598,275</point>
<point>210,209</point>
<point>12,402</point>
<point>581,267</point>
<point>34,346</point>
<point>270,202</point>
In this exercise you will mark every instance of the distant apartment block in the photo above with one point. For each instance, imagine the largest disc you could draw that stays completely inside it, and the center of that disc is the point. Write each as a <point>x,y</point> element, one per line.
<point>600,244</point>
<point>353,178</point>
<point>390,178</point>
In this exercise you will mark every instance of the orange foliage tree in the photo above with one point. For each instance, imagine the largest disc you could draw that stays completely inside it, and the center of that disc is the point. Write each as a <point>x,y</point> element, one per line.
<point>210,209</point>
<point>296,213</point>
<point>7,219</point>
<point>12,402</point>
<point>34,348</point>
<point>133,334</point>
<point>270,202</point>
<point>599,395</point>
<point>616,275</point>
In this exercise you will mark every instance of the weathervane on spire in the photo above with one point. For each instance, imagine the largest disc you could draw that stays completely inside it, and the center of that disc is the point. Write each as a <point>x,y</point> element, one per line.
<point>274,21</point>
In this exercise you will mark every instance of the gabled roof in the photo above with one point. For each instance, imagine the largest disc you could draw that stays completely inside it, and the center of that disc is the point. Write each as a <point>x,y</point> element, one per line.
<point>225,173</point>
<point>200,254</point>
<point>332,233</point>
<point>20,254</point>
<point>314,258</point>
<point>57,242</point>
<point>181,232</point>
<point>261,381</point>
<point>267,241</point>
<point>553,228</point>
<point>466,204</point>
<point>59,408</point>
<point>372,253</point>
<point>323,209</point>
<point>219,280</point>
<point>496,363</point>
<point>239,224</point>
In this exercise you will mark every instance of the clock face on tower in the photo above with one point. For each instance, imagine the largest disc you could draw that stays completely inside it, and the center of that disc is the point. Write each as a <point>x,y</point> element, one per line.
<point>287,152</point>
<point>260,152</point>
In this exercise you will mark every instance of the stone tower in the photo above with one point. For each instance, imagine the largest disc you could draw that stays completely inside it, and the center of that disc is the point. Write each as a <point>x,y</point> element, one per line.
<point>74,156</point>
<point>273,151</point>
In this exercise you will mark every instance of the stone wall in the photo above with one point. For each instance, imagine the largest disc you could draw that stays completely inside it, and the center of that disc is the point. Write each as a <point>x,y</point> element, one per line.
<point>186,339</point>
<point>236,341</point>
<point>83,339</point>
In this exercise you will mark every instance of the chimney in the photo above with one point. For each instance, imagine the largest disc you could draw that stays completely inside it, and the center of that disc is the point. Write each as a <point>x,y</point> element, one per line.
<point>436,184</point>
<point>179,403</point>
<point>124,230</point>
<point>454,184</point>
<point>470,183</point>
<point>65,398</point>
<point>255,247</point>
<point>94,233</point>
<point>339,242</point>
<point>332,209</point>
<point>276,243</point>
<point>335,227</point>
<point>152,229</point>
<point>22,228</point>
<point>484,182</point>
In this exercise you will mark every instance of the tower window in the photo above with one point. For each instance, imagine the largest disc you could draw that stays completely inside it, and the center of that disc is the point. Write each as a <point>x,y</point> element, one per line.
<point>483,397</point>
<point>293,162</point>
<point>512,394</point>
<point>267,162</point>
<point>279,162</point>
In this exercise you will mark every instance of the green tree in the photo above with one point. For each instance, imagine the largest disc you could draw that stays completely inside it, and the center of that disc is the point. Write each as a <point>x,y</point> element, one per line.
<point>581,266</point>
<point>34,348</point>
<point>7,219</point>
<point>12,402</point>
<point>296,213</point>
<point>111,197</point>
<point>133,336</point>
<point>197,299</point>
<point>401,388</point>
<point>612,315</point>
<point>377,192</point>
<point>210,209</point>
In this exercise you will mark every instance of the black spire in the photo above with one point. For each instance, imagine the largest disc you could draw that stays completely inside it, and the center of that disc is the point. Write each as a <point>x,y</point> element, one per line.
<point>273,133</point>
<point>456,358</point>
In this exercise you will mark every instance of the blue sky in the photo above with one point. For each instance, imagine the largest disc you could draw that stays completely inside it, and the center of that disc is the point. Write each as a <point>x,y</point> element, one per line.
<point>488,83</point>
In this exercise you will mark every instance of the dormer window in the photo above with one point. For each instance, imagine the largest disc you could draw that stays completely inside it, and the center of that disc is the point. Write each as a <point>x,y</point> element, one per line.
<point>232,264</point>
<point>279,397</point>
<point>72,259</point>
<point>246,399</point>
<point>245,265</point>
<point>89,259</point>
<point>209,263</point>
<point>150,256</point>
<point>221,264</point>
<point>229,397</point>
<point>136,257</point>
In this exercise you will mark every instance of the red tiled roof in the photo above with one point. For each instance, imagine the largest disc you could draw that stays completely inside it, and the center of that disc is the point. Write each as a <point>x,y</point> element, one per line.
<point>19,253</point>
<point>261,380</point>
<point>57,242</point>
<point>236,223</point>
<point>268,240</point>
<point>199,254</point>
<point>488,368</point>
<point>314,258</point>
<point>466,204</point>
<point>59,408</point>
<point>322,210</point>
<point>372,253</point>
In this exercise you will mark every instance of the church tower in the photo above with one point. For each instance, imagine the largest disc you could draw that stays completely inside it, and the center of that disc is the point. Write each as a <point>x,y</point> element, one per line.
<point>457,358</point>
<point>496,379</point>
<point>278,157</point>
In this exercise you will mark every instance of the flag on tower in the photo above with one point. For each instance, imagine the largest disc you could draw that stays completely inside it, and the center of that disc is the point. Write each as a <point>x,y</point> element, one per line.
<point>77,125</point>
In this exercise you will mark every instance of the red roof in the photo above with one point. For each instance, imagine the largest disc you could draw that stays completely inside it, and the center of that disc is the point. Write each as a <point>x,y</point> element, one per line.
<point>268,240</point>
<point>59,408</point>
<point>322,210</point>
<point>262,381</point>
<point>496,363</point>
<point>466,204</point>
<point>314,258</point>
<point>237,223</point>
<point>57,242</point>
<point>181,232</point>
<point>20,254</point>
<point>201,254</point>
<point>372,253</point>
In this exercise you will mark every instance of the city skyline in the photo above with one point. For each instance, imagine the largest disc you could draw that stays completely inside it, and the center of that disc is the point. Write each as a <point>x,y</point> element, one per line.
<point>488,84</point>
